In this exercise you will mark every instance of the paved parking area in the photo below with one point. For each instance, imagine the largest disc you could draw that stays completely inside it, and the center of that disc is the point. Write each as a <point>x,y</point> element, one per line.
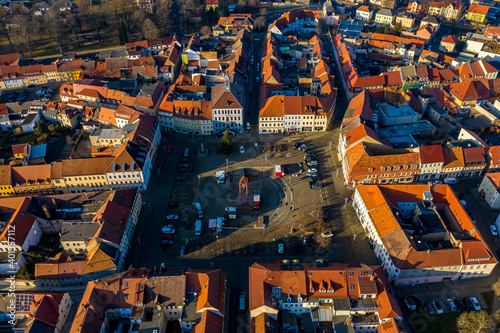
<point>31,94</point>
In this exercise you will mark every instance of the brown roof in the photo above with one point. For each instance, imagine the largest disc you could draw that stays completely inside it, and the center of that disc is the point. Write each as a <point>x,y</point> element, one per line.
<point>453,158</point>
<point>431,154</point>
<point>31,173</point>
<point>80,167</point>
<point>5,175</point>
<point>475,154</point>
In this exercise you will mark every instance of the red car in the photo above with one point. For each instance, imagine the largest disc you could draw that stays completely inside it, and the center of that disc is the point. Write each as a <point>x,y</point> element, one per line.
<point>167,236</point>
<point>169,149</point>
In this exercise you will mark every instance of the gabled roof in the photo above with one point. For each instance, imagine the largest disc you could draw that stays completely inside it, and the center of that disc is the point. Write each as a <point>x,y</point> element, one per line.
<point>450,40</point>
<point>478,9</point>
<point>431,154</point>
<point>474,154</point>
<point>453,158</point>
<point>469,91</point>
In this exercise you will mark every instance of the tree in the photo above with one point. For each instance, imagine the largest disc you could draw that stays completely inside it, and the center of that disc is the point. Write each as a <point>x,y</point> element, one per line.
<point>138,19</point>
<point>206,31</point>
<point>163,14</point>
<point>263,12</point>
<point>122,33</point>
<point>475,322</point>
<point>223,9</point>
<point>149,30</point>
<point>227,144</point>
<point>186,6</point>
<point>397,29</point>
<point>55,26</point>
<point>4,22</point>
<point>386,30</point>
<point>23,30</point>
<point>260,22</point>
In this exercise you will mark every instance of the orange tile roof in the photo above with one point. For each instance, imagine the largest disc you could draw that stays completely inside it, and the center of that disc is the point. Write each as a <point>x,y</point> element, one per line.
<point>478,9</point>
<point>449,39</point>
<point>431,154</point>
<point>474,154</point>
<point>494,153</point>
<point>494,178</point>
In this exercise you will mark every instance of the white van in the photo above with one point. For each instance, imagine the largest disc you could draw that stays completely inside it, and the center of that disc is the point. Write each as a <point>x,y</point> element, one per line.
<point>450,181</point>
<point>248,126</point>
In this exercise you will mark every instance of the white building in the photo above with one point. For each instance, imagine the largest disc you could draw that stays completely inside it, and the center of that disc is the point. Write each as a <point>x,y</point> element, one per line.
<point>227,107</point>
<point>364,13</point>
<point>490,189</point>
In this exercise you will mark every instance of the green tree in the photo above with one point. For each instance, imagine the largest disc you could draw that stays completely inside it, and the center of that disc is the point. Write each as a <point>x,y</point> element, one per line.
<point>122,33</point>
<point>386,30</point>
<point>25,274</point>
<point>475,322</point>
<point>227,144</point>
<point>397,29</point>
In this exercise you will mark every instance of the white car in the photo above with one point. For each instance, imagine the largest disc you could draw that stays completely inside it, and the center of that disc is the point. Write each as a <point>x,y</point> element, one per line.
<point>476,304</point>
<point>281,248</point>
<point>435,182</point>
<point>327,234</point>
<point>493,230</point>
<point>172,217</point>
<point>451,304</point>
<point>312,170</point>
<point>242,149</point>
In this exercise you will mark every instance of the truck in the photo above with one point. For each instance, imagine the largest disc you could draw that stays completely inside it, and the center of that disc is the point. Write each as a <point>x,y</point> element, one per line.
<point>197,205</point>
<point>279,171</point>
<point>197,230</point>
<point>256,201</point>
<point>221,176</point>
<point>220,221</point>
<point>231,211</point>
<point>243,303</point>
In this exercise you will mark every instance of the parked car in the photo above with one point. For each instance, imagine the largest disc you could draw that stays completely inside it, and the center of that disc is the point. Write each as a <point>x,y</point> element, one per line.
<point>475,303</point>
<point>242,149</point>
<point>183,251</point>
<point>296,145</point>
<point>429,308</point>
<point>180,178</point>
<point>439,308</point>
<point>281,248</point>
<point>302,147</point>
<point>312,174</point>
<point>168,229</point>
<point>410,303</point>
<point>327,234</point>
<point>167,236</point>
<point>167,242</point>
<point>182,169</point>
<point>451,304</point>
<point>469,304</point>
<point>460,303</point>
<point>169,149</point>
<point>493,230</point>
<point>172,217</point>
<point>437,182</point>
<point>315,185</point>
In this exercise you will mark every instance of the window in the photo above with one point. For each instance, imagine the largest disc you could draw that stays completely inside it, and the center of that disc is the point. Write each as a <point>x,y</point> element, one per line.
<point>352,287</point>
<point>351,274</point>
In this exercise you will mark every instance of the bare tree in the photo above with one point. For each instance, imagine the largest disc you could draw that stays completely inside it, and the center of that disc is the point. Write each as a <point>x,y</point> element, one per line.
<point>186,7</point>
<point>22,30</point>
<point>3,26</point>
<point>263,11</point>
<point>206,31</point>
<point>475,322</point>
<point>149,30</point>
<point>138,18</point>
<point>163,14</point>
<point>260,22</point>
<point>37,24</point>
<point>55,26</point>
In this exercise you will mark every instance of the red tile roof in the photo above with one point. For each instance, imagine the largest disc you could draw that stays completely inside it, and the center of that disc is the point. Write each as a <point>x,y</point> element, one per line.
<point>431,154</point>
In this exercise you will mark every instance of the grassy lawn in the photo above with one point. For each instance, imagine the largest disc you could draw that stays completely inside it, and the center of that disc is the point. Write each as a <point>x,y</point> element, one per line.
<point>488,298</point>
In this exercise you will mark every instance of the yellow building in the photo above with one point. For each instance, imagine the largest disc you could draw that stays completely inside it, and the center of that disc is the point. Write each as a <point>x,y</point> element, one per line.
<point>211,4</point>
<point>477,13</point>
<point>80,175</point>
